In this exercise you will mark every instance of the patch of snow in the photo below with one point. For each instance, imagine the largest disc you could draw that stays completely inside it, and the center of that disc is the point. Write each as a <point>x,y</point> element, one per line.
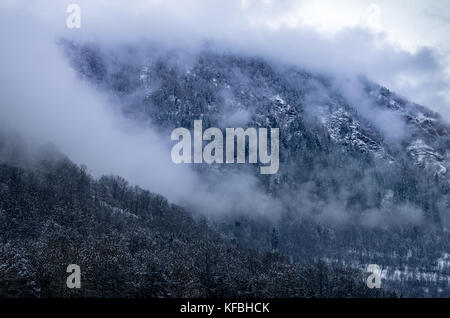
<point>278,99</point>
<point>426,156</point>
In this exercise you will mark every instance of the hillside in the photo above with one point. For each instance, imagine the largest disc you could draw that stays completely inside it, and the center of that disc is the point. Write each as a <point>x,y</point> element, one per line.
<point>363,172</point>
<point>130,242</point>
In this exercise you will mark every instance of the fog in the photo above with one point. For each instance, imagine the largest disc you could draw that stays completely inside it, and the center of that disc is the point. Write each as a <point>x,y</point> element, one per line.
<point>389,123</point>
<point>41,95</point>
<point>44,100</point>
<point>265,28</point>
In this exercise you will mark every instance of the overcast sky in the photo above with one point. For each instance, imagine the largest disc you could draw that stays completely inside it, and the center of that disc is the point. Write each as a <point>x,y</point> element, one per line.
<point>409,25</point>
<point>403,44</point>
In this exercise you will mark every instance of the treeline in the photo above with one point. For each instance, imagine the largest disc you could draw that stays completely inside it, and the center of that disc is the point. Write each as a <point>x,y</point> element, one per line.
<point>132,243</point>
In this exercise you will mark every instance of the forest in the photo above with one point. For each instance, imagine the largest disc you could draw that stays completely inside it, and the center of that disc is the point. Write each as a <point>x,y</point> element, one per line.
<point>130,242</point>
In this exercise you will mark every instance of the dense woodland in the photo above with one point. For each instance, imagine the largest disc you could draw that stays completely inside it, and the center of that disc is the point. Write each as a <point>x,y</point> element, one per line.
<point>349,193</point>
<point>349,196</point>
<point>133,243</point>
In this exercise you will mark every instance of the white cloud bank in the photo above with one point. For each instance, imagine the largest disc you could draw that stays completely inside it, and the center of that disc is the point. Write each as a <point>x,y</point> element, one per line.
<point>401,44</point>
<point>41,96</point>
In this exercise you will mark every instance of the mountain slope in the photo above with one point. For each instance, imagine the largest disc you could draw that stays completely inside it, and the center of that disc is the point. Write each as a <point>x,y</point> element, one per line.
<point>363,174</point>
<point>130,242</point>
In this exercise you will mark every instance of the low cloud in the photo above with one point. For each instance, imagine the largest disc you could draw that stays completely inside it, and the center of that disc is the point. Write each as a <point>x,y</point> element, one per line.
<point>43,99</point>
<point>41,95</point>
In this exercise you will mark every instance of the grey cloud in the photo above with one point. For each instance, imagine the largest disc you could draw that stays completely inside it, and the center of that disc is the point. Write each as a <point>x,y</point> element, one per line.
<point>41,96</point>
